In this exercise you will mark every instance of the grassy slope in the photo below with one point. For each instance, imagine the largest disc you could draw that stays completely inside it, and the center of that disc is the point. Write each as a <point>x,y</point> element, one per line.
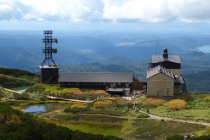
<point>12,82</point>
<point>197,109</point>
<point>126,127</point>
<point>11,78</point>
<point>156,129</point>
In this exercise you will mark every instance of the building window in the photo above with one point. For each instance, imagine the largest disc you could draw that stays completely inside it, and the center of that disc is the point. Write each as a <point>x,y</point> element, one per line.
<point>70,84</point>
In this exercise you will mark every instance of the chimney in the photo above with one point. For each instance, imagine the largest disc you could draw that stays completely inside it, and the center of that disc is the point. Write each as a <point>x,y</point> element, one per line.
<point>165,53</point>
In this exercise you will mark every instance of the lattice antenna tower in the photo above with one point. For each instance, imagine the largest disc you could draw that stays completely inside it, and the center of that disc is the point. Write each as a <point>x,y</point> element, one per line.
<point>48,40</point>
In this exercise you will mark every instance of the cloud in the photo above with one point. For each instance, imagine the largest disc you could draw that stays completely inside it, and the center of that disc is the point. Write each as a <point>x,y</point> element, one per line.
<point>137,11</point>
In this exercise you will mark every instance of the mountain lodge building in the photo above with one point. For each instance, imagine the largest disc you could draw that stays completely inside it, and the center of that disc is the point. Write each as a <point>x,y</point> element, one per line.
<point>113,83</point>
<point>164,79</point>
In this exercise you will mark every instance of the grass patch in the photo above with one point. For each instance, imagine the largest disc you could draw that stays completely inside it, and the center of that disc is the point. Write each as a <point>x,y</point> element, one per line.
<point>103,129</point>
<point>138,114</point>
<point>105,111</point>
<point>114,111</point>
<point>89,118</point>
<point>196,110</point>
<point>156,129</point>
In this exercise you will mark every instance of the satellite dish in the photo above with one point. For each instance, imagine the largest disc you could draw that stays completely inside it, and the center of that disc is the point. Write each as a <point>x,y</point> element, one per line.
<point>55,50</point>
<point>56,40</point>
<point>176,77</point>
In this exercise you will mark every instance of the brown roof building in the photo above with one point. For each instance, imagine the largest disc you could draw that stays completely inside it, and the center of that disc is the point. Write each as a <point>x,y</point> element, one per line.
<point>113,83</point>
<point>160,82</point>
<point>167,66</point>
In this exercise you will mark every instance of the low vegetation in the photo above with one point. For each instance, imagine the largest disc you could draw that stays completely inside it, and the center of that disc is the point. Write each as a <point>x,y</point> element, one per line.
<point>175,104</point>
<point>156,129</point>
<point>103,116</point>
<point>18,125</point>
<point>153,101</point>
<point>16,72</point>
<point>191,107</point>
<point>89,118</point>
<point>10,78</point>
<point>138,114</point>
<point>117,117</point>
<point>69,93</point>
<point>11,82</point>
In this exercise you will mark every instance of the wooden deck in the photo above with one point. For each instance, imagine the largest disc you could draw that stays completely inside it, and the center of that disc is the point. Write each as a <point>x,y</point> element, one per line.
<point>117,89</point>
<point>64,99</point>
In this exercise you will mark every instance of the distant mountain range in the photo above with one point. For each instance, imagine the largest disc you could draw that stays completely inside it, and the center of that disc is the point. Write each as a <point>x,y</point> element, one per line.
<point>102,52</point>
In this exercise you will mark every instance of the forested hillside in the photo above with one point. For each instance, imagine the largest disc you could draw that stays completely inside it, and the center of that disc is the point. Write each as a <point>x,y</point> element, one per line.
<point>198,81</point>
<point>16,72</point>
<point>10,78</point>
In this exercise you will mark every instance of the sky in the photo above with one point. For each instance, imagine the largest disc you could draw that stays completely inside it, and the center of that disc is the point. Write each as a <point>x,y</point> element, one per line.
<point>99,14</point>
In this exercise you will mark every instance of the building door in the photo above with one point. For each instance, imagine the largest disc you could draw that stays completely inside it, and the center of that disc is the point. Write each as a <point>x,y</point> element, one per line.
<point>127,85</point>
<point>160,93</point>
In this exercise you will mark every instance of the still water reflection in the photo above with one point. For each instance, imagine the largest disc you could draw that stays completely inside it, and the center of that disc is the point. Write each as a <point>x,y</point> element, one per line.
<point>40,109</point>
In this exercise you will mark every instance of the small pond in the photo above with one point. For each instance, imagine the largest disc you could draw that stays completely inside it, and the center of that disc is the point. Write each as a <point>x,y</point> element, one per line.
<point>21,89</point>
<point>40,109</point>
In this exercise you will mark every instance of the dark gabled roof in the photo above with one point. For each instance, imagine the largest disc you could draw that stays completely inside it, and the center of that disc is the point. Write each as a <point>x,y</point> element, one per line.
<point>159,69</point>
<point>97,77</point>
<point>171,58</point>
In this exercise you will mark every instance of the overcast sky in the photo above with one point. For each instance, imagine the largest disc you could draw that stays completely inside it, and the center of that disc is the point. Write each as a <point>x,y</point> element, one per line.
<point>26,14</point>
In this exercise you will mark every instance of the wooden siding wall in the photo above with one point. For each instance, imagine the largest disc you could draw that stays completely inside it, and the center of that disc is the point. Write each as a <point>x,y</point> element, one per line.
<point>160,85</point>
<point>138,85</point>
<point>49,74</point>
<point>176,89</point>
<point>99,86</point>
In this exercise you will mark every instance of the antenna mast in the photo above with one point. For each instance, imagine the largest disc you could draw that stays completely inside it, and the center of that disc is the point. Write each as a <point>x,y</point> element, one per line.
<point>48,40</point>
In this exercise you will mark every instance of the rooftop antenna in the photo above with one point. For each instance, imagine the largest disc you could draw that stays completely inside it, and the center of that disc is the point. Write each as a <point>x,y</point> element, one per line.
<point>48,40</point>
<point>156,47</point>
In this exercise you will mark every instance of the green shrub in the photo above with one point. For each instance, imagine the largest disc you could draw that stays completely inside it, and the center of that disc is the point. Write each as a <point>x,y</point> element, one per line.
<point>75,110</point>
<point>206,137</point>
<point>139,114</point>
<point>175,137</point>
<point>36,88</point>
<point>11,82</point>
<point>128,105</point>
<point>16,72</point>
<point>148,106</point>
<point>89,118</point>
<point>180,137</point>
<point>12,97</point>
<point>105,111</point>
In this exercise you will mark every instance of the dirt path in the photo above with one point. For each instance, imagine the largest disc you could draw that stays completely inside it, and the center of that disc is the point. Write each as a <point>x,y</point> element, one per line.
<point>174,119</point>
<point>12,91</point>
